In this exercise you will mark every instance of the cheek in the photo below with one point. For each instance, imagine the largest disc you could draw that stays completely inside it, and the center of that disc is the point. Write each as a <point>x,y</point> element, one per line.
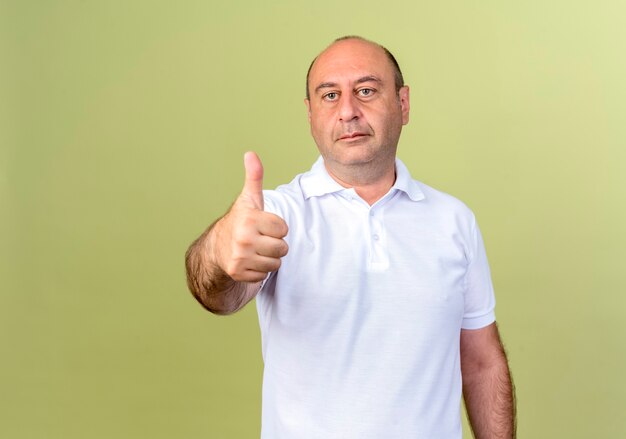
<point>320,125</point>
<point>394,119</point>
<point>317,132</point>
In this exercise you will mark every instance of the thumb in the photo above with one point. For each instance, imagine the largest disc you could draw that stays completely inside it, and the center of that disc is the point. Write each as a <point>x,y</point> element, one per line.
<point>253,186</point>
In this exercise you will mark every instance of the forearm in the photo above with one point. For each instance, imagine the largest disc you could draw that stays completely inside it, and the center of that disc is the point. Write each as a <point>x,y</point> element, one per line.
<point>490,399</point>
<point>210,284</point>
<point>228,262</point>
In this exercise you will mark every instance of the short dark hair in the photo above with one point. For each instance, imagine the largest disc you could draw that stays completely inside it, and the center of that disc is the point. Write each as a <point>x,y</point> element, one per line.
<point>398,78</point>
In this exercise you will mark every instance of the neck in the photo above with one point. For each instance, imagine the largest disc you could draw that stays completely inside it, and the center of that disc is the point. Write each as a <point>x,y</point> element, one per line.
<point>371,186</point>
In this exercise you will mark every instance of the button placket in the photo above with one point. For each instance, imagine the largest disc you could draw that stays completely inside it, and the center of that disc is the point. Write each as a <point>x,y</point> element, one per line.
<point>378,255</point>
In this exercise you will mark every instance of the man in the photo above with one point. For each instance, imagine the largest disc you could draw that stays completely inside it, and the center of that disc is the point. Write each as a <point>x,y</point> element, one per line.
<point>373,290</point>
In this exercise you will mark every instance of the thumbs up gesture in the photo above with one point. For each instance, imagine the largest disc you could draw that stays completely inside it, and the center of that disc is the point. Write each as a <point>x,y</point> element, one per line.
<point>248,241</point>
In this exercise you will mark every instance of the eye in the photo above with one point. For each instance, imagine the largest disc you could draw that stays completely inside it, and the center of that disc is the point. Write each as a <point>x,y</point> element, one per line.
<point>365,92</point>
<point>330,96</point>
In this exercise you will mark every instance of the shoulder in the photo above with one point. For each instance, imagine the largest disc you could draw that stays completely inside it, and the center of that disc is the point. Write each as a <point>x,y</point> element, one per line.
<point>444,205</point>
<point>451,217</point>
<point>427,198</point>
<point>442,200</point>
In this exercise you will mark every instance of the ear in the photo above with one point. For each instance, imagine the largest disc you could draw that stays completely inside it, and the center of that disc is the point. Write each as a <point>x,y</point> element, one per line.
<point>403,95</point>
<point>308,108</point>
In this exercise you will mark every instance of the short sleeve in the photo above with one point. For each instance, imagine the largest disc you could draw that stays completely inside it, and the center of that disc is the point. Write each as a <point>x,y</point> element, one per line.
<point>480,300</point>
<point>265,297</point>
<point>271,205</point>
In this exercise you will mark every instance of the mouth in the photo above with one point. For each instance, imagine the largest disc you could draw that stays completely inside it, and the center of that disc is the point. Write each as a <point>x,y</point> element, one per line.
<point>354,135</point>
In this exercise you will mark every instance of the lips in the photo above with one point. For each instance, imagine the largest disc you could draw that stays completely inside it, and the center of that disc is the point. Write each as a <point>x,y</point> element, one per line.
<point>353,135</point>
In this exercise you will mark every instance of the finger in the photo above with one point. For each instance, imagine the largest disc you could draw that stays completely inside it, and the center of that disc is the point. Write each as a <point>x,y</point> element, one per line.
<point>271,247</point>
<point>253,185</point>
<point>252,276</point>
<point>264,264</point>
<point>269,224</point>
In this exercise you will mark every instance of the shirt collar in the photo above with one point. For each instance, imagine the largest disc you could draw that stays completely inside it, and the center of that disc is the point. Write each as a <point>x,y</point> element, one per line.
<point>318,182</point>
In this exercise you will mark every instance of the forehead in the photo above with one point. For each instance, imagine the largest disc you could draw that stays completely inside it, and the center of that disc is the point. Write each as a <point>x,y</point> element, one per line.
<point>349,60</point>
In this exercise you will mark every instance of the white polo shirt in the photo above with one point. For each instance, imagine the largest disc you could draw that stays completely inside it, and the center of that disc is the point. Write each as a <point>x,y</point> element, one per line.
<point>361,324</point>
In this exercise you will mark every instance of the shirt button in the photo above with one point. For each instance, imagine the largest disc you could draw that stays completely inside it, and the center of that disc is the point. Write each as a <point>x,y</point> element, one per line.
<point>376,237</point>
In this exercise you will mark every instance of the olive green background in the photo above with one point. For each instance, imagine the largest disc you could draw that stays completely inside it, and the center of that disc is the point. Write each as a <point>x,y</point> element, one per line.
<point>122,130</point>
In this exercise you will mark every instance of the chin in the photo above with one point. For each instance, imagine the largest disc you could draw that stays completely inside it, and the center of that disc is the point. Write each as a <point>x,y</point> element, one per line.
<point>356,160</point>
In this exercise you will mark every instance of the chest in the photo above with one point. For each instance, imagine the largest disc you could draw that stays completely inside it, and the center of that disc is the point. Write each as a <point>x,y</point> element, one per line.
<point>353,262</point>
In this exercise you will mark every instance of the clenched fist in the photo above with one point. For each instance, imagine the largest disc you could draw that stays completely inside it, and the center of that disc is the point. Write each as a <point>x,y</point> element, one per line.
<point>248,242</point>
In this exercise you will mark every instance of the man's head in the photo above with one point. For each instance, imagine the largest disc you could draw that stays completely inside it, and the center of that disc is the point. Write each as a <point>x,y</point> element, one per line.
<point>398,78</point>
<point>357,105</point>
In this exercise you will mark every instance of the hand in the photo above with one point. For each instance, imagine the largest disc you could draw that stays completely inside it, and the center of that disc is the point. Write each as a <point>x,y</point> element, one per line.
<point>248,242</point>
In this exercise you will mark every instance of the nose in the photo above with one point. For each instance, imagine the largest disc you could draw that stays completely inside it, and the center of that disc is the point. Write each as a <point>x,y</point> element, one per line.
<point>349,108</point>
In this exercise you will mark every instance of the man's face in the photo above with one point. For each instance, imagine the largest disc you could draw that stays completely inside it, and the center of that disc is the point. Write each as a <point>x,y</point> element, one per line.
<point>355,114</point>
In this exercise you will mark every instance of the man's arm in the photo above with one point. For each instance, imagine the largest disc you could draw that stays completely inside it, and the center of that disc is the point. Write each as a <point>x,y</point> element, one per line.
<point>226,264</point>
<point>487,385</point>
<point>209,284</point>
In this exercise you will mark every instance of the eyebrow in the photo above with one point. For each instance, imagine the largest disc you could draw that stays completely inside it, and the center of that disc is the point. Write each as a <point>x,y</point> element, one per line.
<point>368,78</point>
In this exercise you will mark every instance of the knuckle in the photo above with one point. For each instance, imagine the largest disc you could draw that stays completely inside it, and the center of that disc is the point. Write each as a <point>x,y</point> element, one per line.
<point>275,264</point>
<point>249,220</point>
<point>236,265</point>
<point>277,225</point>
<point>243,238</point>
<point>243,218</point>
<point>278,264</point>
<point>282,249</point>
<point>231,270</point>
<point>284,229</point>
<point>237,254</point>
